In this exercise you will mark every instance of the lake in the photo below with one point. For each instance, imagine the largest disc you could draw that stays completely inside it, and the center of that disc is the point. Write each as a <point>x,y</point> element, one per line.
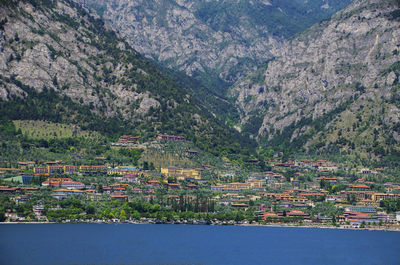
<point>191,244</point>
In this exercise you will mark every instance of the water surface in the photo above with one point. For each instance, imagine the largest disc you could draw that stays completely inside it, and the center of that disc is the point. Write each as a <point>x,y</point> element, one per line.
<point>188,244</point>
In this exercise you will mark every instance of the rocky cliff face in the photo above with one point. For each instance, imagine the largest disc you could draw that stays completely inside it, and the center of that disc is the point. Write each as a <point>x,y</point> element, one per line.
<point>55,48</point>
<point>59,62</point>
<point>342,73</point>
<point>212,39</point>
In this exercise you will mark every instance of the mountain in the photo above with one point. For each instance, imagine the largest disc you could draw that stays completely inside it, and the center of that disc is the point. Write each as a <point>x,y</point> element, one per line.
<point>332,89</point>
<point>215,41</point>
<point>58,62</point>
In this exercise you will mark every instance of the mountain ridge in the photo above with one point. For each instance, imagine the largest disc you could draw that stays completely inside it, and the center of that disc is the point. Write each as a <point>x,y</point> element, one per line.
<point>218,40</point>
<point>347,65</point>
<point>59,62</point>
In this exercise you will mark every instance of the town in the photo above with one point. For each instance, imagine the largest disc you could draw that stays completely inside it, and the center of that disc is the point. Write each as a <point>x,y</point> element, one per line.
<point>292,192</point>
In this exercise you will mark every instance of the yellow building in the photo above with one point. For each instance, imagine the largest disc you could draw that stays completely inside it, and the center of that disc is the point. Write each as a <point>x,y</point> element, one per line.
<point>255,183</point>
<point>238,186</point>
<point>384,196</point>
<point>181,173</point>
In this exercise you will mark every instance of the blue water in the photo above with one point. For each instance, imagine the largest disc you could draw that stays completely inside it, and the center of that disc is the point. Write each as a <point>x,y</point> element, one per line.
<point>179,244</point>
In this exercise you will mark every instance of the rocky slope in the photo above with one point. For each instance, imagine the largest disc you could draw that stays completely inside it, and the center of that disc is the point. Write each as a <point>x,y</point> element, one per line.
<point>58,62</point>
<point>216,41</point>
<point>333,87</point>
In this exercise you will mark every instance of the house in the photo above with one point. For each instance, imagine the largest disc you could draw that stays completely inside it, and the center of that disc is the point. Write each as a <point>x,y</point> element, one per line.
<point>361,209</point>
<point>28,164</point>
<point>61,194</point>
<point>153,183</point>
<point>328,180</point>
<point>255,183</point>
<point>118,196</point>
<point>192,187</point>
<point>173,186</point>
<point>123,170</point>
<point>330,168</point>
<point>359,187</point>
<point>132,178</point>
<point>297,213</point>
<point>269,215</point>
<point>171,137</point>
<point>312,194</point>
<point>126,140</point>
<point>64,183</point>
<point>38,210</point>
<point>216,188</point>
<point>237,186</point>
<point>6,189</point>
<point>390,186</point>
<point>52,163</point>
<point>72,185</point>
<point>358,218</point>
<point>181,173</point>
<point>137,190</point>
<point>93,170</point>
<point>365,171</point>
<point>68,191</point>
<point>192,152</point>
<point>360,195</point>
<point>239,206</point>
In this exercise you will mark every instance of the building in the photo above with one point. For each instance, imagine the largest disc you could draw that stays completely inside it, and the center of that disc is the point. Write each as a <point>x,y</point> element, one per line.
<point>28,164</point>
<point>171,137</point>
<point>68,169</point>
<point>38,210</point>
<point>192,152</point>
<point>53,169</point>
<point>52,163</point>
<point>40,170</point>
<point>181,173</point>
<point>66,183</point>
<point>360,195</point>
<point>153,183</point>
<point>328,180</point>
<point>384,196</point>
<point>11,170</point>
<point>93,170</point>
<point>173,186</point>
<point>255,183</point>
<point>123,170</point>
<point>6,189</point>
<point>361,209</point>
<point>126,140</point>
<point>269,215</point>
<point>63,193</point>
<point>72,185</point>
<point>297,213</point>
<point>26,180</point>
<point>359,187</point>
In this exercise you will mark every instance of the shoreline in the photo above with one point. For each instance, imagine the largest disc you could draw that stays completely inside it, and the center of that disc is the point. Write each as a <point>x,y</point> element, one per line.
<point>346,227</point>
